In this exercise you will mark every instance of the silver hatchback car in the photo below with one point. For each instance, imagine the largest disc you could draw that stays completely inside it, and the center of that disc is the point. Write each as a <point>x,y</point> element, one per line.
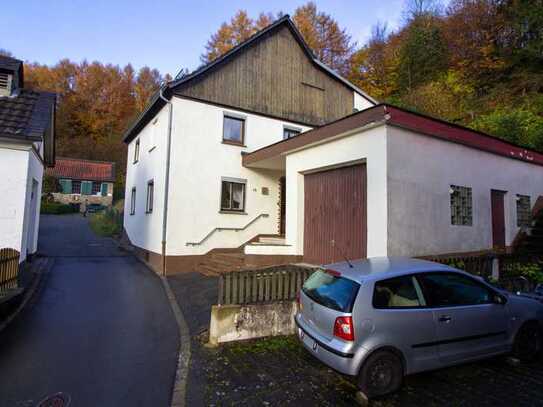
<point>382,318</point>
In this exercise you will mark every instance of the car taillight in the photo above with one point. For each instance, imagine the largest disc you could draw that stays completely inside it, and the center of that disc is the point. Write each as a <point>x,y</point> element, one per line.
<point>343,328</point>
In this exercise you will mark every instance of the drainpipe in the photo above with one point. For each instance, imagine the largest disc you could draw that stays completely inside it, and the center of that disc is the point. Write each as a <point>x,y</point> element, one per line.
<point>166,179</point>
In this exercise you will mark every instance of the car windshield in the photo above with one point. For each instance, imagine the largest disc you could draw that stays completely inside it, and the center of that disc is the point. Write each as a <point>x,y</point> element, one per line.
<point>331,291</point>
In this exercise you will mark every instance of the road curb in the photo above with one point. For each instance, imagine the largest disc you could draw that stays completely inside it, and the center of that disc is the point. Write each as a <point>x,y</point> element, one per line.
<point>179,390</point>
<point>42,270</point>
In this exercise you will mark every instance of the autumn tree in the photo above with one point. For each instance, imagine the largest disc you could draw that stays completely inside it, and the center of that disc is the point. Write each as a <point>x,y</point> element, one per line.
<point>423,53</point>
<point>330,43</point>
<point>373,67</point>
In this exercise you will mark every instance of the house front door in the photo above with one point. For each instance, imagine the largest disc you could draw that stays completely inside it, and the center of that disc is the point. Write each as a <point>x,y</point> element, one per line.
<point>498,218</point>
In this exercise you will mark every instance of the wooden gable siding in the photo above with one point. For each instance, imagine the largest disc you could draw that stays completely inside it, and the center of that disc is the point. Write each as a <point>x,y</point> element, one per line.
<point>274,77</point>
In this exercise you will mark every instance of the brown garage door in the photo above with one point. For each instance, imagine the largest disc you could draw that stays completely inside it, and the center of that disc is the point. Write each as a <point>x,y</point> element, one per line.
<point>335,210</point>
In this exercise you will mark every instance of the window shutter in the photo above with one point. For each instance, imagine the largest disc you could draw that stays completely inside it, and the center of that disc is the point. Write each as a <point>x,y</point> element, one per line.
<point>103,189</point>
<point>86,187</point>
<point>66,185</point>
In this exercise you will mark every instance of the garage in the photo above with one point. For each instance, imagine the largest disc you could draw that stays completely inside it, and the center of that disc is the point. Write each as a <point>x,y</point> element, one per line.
<point>335,215</point>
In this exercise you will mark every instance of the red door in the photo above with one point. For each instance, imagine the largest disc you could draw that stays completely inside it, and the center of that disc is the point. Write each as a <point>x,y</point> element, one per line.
<point>335,215</point>
<point>498,218</point>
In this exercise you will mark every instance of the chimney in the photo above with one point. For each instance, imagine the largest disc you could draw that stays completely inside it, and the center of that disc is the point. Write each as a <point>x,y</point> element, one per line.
<point>11,76</point>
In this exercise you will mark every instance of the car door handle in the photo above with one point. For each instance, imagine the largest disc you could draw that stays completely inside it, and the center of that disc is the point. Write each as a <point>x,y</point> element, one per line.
<point>445,318</point>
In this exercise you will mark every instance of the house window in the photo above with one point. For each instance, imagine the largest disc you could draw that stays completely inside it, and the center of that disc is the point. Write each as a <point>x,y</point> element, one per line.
<point>233,195</point>
<point>76,187</point>
<point>133,201</point>
<point>96,188</point>
<point>86,187</point>
<point>461,206</point>
<point>524,212</point>
<point>289,132</point>
<point>67,186</point>
<point>137,151</point>
<point>233,130</point>
<point>150,194</point>
<point>4,81</point>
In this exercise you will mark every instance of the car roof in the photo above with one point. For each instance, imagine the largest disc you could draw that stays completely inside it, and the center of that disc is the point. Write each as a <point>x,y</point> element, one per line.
<point>376,268</point>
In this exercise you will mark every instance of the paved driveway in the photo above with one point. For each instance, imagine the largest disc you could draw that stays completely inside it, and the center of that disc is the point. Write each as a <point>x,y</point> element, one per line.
<point>100,328</point>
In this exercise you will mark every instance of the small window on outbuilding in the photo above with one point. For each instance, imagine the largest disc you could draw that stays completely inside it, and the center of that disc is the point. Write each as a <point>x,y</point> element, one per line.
<point>86,188</point>
<point>233,130</point>
<point>461,206</point>
<point>133,201</point>
<point>150,194</point>
<point>233,195</point>
<point>66,186</point>
<point>524,211</point>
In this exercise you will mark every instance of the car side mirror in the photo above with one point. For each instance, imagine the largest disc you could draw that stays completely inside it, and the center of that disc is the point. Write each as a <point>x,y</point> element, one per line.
<point>499,299</point>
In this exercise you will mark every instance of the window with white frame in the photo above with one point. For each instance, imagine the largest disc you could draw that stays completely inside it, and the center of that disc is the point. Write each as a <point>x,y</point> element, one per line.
<point>461,206</point>
<point>150,194</point>
<point>233,195</point>
<point>524,211</point>
<point>137,151</point>
<point>133,201</point>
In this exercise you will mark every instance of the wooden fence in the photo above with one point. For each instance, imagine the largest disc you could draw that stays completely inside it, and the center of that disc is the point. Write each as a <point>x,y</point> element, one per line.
<point>9,269</point>
<point>261,286</point>
<point>478,265</point>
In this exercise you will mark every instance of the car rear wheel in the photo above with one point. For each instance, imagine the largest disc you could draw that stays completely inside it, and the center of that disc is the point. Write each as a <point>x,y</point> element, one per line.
<point>528,342</point>
<point>382,373</point>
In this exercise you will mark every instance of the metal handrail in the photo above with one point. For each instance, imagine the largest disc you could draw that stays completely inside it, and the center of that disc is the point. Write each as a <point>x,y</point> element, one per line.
<point>219,229</point>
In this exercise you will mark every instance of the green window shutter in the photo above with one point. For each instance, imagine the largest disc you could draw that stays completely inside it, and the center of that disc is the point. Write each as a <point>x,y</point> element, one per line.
<point>103,189</point>
<point>86,187</point>
<point>66,185</point>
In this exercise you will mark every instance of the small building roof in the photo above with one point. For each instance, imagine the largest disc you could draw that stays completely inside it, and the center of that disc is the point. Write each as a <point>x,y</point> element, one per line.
<point>84,170</point>
<point>386,114</point>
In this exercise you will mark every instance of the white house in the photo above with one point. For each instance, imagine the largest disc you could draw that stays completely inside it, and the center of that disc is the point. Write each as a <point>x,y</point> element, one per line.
<point>27,146</point>
<point>266,156</point>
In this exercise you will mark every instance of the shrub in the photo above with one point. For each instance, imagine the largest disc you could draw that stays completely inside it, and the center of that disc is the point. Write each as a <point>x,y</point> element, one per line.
<point>107,223</point>
<point>56,208</point>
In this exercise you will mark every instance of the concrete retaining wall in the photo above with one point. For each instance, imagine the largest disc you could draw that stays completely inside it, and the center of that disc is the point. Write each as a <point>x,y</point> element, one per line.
<point>238,322</point>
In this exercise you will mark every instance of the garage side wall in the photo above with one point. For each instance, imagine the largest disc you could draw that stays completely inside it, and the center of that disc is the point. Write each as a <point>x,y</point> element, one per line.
<point>367,146</point>
<point>421,170</point>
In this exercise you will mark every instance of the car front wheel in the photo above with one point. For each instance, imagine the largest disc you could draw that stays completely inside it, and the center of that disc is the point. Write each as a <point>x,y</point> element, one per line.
<point>381,373</point>
<point>528,342</point>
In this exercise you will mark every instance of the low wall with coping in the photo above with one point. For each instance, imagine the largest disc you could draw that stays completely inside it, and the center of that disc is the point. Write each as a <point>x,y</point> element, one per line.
<point>239,322</point>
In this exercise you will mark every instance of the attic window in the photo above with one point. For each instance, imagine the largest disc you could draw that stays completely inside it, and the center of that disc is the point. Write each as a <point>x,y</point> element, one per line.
<point>5,81</point>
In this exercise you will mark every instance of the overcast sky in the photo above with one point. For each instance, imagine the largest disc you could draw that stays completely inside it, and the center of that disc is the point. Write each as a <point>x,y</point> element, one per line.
<point>163,34</point>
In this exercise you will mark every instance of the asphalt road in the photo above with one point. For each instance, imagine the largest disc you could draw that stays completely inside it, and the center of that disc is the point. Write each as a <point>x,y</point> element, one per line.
<point>100,328</point>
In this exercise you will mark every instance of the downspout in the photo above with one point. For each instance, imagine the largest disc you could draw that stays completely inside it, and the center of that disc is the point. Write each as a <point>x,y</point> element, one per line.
<point>166,180</point>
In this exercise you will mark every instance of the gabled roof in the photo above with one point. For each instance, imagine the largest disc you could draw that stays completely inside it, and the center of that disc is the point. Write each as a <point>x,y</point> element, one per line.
<point>399,117</point>
<point>84,170</point>
<point>156,103</point>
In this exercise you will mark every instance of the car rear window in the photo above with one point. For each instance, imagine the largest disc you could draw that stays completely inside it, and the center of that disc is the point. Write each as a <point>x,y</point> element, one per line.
<point>331,291</point>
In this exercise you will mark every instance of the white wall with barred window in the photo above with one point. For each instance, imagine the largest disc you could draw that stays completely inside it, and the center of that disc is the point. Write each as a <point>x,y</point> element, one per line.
<point>421,170</point>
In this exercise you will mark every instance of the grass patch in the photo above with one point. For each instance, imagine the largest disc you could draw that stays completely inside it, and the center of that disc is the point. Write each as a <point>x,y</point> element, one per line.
<point>107,223</point>
<point>56,208</point>
<point>267,345</point>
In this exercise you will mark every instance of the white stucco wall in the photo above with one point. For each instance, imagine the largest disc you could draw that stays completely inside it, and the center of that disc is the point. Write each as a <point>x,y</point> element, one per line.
<point>367,146</point>
<point>19,165</point>
<point>420,172</point>
<point>360,102</point>
<point>199,160</point>
<point>145,229</point>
